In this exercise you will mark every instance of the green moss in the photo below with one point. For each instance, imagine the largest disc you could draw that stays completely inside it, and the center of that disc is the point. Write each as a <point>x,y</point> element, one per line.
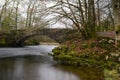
<point>117,28</point>
<point>111,74</point>
<point>89,58</point>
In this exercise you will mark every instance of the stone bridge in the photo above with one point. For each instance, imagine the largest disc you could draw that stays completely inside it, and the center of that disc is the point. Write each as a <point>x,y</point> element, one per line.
<point>56,34</point>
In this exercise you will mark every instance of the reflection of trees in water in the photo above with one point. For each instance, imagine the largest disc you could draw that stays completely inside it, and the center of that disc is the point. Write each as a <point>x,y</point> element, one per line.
<point>84,73</point>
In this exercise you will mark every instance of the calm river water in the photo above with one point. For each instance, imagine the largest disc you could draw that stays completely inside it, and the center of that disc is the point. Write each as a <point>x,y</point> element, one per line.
<point>33,63</point>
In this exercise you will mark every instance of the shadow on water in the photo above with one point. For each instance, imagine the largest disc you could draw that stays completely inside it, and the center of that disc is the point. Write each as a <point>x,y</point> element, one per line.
<point>42,67</point>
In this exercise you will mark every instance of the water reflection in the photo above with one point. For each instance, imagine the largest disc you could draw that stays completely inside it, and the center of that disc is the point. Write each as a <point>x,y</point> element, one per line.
<point>53,73</point>
<point>26,69</point>
<point>30,66</point>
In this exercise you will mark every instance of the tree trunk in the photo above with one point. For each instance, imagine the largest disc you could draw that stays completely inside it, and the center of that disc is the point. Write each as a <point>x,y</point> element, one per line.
<point>116,12</point>
<point>91,18</point>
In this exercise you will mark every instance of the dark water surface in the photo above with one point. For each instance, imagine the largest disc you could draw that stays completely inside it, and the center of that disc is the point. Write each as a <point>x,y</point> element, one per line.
<point>33,63</point>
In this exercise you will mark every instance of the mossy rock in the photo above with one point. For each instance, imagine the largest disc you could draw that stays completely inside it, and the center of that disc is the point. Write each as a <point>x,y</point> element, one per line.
<point>111,74</point>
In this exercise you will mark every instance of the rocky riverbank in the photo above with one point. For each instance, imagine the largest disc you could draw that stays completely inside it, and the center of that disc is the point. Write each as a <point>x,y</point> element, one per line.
<point>100,53</point>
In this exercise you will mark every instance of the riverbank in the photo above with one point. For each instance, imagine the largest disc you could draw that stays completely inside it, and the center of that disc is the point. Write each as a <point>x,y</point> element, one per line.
<point>100,53</point>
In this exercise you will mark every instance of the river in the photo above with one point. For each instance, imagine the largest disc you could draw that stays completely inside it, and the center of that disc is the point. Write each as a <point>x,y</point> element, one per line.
<point>33,63</point>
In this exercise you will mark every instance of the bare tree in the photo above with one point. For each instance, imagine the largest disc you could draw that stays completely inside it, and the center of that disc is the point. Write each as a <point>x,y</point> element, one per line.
<point>81,13</point>
<point>3,13</point>
<point>34,9</point>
